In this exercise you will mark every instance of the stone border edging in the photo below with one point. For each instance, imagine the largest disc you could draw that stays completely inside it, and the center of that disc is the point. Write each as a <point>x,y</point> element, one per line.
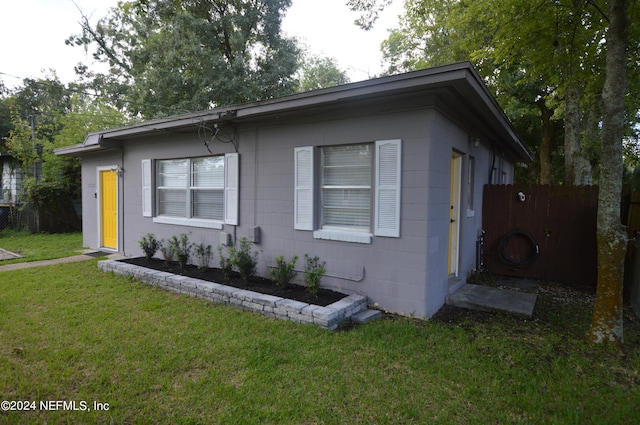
<point>328,317</point>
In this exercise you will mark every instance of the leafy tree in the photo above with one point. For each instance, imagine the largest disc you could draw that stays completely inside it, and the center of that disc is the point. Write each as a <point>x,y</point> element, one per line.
<point>44,115</point>
<point>85,115</point>
<point>558,48</point>
<point>5,116</point>
<point>370,9</point>
<point>607,321</point>
<point>42,103</point>
<point>554,48</point>
<point>169,56</point>
<point>439,32</point>
<point>320,72</point>
<point>36,110</point>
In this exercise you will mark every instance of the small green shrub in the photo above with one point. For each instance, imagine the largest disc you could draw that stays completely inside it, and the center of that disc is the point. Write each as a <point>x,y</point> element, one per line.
<point>181,248</point>
<point>244,259</point>
<point>226,263</point>
<point>203,254</point>
<point>166,251</point>
<point>283,273</point>
<point>150,245</point>
<point>313,272</point>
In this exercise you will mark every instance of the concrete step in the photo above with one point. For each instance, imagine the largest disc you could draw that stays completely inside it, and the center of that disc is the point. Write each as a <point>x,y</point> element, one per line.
<point>366,316</point>
<point>485,298</point>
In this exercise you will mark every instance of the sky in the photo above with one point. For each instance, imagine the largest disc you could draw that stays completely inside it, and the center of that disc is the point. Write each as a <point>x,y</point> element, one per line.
<point>32,35</point>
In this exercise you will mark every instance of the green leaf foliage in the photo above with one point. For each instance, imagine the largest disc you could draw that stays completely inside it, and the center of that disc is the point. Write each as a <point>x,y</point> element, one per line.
<point>42,115</point>
<point>168,56</point>
<point>320,72</point>
<point>529,54</point>
<point>284,271</point>
<point>149,245</point>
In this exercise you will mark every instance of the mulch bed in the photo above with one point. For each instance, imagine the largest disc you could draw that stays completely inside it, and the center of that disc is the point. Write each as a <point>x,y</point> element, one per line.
<point>323,298</point>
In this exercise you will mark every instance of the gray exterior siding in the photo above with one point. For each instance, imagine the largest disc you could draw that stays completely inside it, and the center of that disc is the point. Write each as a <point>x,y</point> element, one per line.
<point>437,114</point>
<point>406,275</point>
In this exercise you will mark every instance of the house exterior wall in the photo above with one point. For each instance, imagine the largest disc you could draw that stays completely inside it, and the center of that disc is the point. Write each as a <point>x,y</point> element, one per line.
<point>10,181</point>
<point>391,269</point>
<point>406,275</point>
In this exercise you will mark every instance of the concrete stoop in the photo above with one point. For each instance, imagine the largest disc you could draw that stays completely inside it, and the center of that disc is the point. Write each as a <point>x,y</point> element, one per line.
<point>366,316</point>
<point>485,298</point>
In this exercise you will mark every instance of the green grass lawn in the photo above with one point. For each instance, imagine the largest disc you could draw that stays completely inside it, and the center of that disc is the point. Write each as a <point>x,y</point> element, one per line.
<point>73,333</point>
<point>40,246</point>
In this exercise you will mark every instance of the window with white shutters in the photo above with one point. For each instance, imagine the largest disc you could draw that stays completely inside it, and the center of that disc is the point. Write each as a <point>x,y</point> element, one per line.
<point>193,191</point>
<point>358,194</point>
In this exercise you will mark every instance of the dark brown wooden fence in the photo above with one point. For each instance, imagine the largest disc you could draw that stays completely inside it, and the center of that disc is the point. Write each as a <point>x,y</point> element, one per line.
<point>549,235</point>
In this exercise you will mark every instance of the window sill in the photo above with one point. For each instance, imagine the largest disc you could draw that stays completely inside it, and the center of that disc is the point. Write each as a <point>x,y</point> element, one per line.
<point>190,222</point>
<point>343,236</point>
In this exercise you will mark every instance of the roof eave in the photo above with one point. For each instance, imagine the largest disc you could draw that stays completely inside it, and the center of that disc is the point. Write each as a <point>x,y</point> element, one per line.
<point>497,112</point>
<point>78,149</point>
<point>454,74</point>
<point>94,142</point>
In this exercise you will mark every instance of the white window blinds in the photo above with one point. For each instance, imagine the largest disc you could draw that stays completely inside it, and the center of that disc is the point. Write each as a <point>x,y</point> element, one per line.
<point>346,187</point>
<point>173,180</point>
<point>193,188</point>
<point>207,188</point>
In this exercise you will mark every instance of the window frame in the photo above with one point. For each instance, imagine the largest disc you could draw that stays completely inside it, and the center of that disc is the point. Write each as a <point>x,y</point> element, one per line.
<point>229,192</point>
<point>385,193</point>
<point>324,187</point>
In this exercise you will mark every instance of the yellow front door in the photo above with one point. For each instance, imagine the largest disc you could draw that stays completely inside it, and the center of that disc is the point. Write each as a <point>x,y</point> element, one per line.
<point>454,215</point>
<point>109,209</point>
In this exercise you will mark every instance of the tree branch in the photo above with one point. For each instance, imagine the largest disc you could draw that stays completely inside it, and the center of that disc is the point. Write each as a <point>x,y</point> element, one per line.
<point>97,37</point>
<point>600,11</point>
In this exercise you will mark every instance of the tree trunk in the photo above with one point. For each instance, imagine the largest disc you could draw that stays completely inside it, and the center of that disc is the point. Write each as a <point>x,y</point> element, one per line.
<point>606,322</point>
<point>590,138</point>
<point>577,168</point>
<point>545,144</point>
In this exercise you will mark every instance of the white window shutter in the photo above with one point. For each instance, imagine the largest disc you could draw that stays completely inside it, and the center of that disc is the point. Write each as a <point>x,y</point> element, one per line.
<point>388,188</point>
<point>231,188</point>
<point>303,187</point>
<point>147,210</point>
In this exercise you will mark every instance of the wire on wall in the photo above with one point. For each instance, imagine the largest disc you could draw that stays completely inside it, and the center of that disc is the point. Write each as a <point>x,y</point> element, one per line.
<point>221,133</point>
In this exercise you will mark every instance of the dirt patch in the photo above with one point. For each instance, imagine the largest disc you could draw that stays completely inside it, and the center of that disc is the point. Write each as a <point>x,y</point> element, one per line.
<point>323,298</point>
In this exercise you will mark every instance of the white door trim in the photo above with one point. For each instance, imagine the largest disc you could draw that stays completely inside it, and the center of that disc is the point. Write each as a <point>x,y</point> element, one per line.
<point>99,171</point>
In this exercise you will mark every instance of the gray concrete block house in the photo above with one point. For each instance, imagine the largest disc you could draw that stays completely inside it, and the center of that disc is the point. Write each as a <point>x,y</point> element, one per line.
<point>382,179</point>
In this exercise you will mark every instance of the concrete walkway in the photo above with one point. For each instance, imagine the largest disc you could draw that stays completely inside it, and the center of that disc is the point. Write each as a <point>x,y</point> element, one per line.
<point>27,265</point>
